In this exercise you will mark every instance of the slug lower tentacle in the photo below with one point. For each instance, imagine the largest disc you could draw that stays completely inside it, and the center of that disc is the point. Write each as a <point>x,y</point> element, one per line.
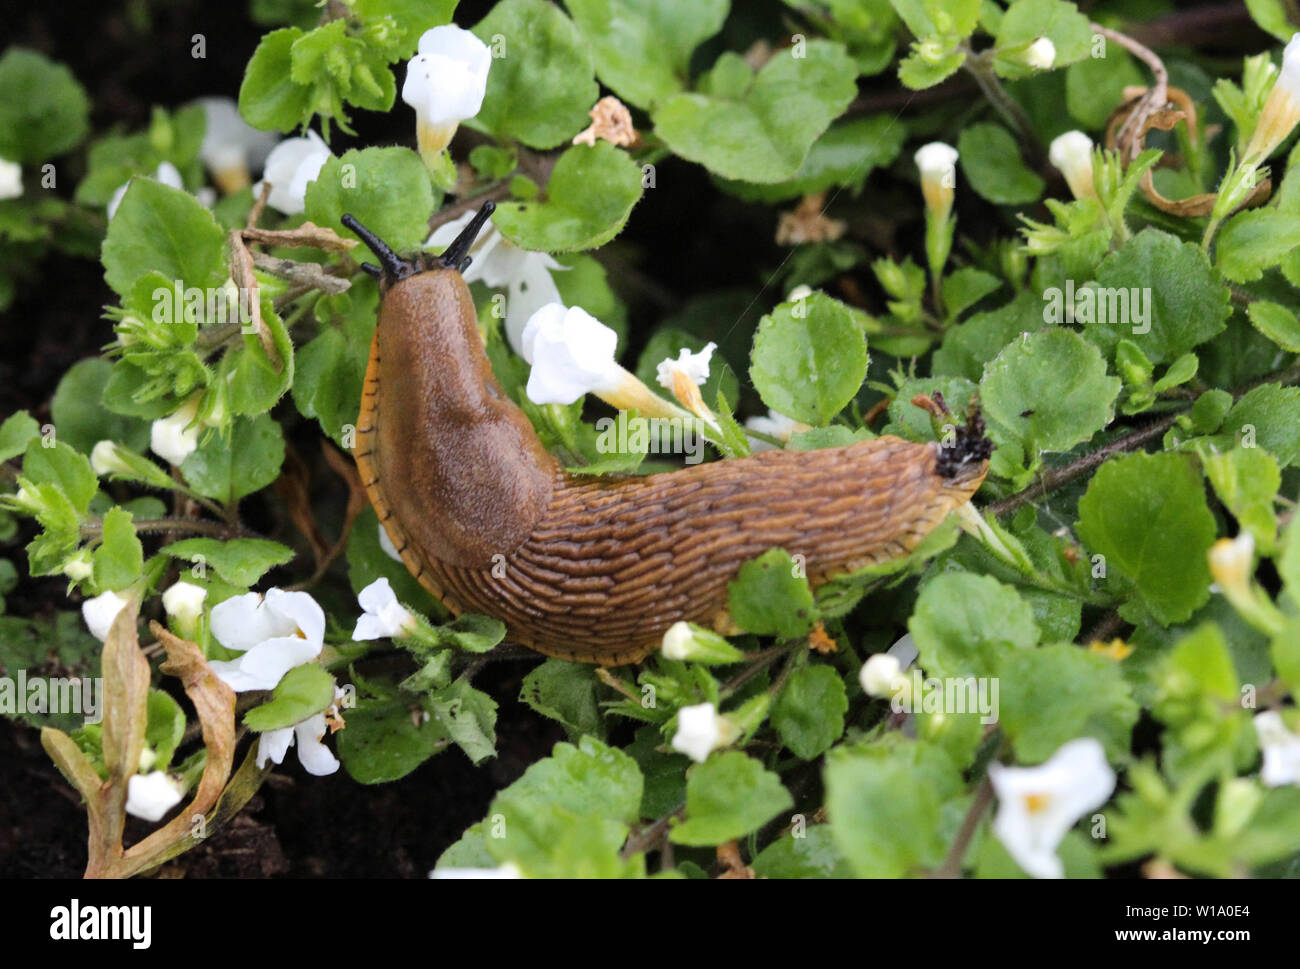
<point>597,569</point>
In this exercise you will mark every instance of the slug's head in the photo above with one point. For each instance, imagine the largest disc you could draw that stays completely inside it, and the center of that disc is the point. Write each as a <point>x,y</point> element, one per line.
<point>964,454</point>
<point>393,268</point>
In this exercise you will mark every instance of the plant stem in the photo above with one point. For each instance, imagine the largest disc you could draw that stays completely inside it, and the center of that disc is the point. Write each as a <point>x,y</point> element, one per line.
<point>983,798</point>
<point>193,526</point>
<point>980,67</point>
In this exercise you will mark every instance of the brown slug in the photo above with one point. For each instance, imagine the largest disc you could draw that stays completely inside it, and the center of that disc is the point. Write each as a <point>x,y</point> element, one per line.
<point>597,569</point>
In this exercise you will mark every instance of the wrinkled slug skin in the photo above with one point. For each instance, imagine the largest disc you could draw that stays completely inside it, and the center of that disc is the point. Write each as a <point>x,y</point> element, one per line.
<point>596,569</point>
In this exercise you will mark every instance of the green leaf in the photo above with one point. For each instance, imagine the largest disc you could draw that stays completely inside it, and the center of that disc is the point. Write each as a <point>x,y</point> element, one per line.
<point>1267,417</point>
<point>845,155</point>
<point>268,97</point>
<point>416,16</point>
<point>119,560</point>
<point>569,814</point>
<point>1277,323</point>
<point>44,112</point>
<point>931,18</point>
<point>728,796</point>
<point>1271,16</point>
<point>1059,692</point>
<point>303,692</point>
<point>62,467</point>
<point>765,133</point>
<point>1253,241</point>
<point>967,348</point>
<point>1027,20</point>
<point>330,370</point>
<point>966,287</point>
<point>969,625</point>
<point>164,728</point>
<point>382,742</point>
<point>386,189</point>
<point>771,597</point>
<point>588,199</point>
<point>540,91</point>
<point>809,712</point>
<point>1095,85</point>
<point>809,359</point>
<point>81,420</point>
<point>565,692</point>
<point>885,803</point>
<point>163,229</point>
<point>18,429</point>
<point>1247,481</point>
<point>1048,391</point>
<point>247,462</point>
<point>812,855</point>
<point>240,561</point>
<point>643,49</point>
<point>923,68</point>
<point>1146,514</point>
<point>469,716</point>
<point>990,158</point>
<point>1188,305</point>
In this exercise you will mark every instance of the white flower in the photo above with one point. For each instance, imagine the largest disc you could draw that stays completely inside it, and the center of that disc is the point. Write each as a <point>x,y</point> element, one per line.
<point>183,601</point>
<point>700,731</point>
<point>384,617</point>
<point>100,612</point>
<point>774,425</point>
<point>445,83</point>
<point>152,795</point>
<point>104,459</point>
<point>231,146</point>
<point>1232,562</point>
<point>1071,153</point>
<point>176,437</point>
<point>387,545</point>
<point>500,264</point>
<point>275,633</point>
<point>687,641</point>
<point>572,354</point>
<point>1037,806</point>
<point>290,167</point>
<point>166,174</point>
<point>693,366</point>
<point>881,675</point>
<point>937,163</point>
<point>1041,54</point>
<point>508,870</point>
<point>11,179</point>
<point>1281,111</point>
<point>1281,750</point>
<point>315,757</point>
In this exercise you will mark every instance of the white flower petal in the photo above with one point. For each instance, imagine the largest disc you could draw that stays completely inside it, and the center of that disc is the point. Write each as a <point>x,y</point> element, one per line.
<point>11,179</point>
<point>100,612</point>
<point>150,796</point>
<point>1037,806</point>
<point>272,745</point>
<point>290,167</point>
<point>445,82</point>
<point>316,758</point>
<point>694,365</point>
<point>570,358</point>
<point>699,731</point>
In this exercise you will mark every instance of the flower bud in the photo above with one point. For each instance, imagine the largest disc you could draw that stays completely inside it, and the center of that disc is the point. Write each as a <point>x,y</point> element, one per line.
<point>689,642</point>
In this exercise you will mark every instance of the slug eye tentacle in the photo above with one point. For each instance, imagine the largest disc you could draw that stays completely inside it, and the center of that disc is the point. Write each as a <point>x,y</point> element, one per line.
<point>395,267</point>
<point>456,256</point>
